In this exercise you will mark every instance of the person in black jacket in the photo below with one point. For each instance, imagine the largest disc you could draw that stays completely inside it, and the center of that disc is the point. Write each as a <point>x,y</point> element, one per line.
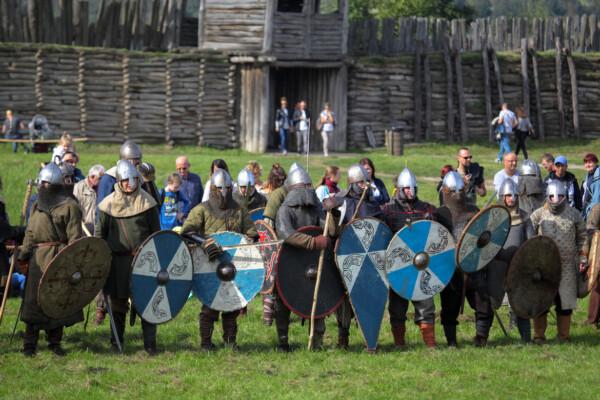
<point>283,124</point>
<point>379,192</point>
<point>472,175</point>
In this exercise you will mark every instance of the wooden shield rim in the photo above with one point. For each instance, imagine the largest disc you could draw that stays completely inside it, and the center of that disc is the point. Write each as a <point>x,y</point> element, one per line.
<point>87,238</point>
<point>347,294</point>
<point>471,222</point>
<point>133,265</point>
<point>594,260</point>
<point>304,228</point>
<point>507,282</point>
<point>272,231</point>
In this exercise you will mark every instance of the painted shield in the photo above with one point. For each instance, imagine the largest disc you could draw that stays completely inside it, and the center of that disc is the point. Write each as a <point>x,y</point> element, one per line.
<point>74,277</point>
<point>267,234</point>
<point>420,260</point>
<point>233,290</point>
<point>296,277</point>
<point>482,238</point>
<point>257,214</point>
<point>533,277</point>
<point>360,257</point>
<point>594,260</point>
<point>161,277</point>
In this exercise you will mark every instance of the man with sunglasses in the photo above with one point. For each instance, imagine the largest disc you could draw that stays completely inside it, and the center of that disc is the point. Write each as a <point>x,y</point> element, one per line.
<point>472,175</point>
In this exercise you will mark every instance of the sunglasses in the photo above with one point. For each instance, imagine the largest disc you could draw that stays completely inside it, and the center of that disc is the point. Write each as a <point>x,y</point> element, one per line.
<point>466,158</point>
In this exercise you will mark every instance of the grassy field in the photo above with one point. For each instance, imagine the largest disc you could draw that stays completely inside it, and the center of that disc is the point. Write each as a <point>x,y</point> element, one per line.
<point>505,369</point>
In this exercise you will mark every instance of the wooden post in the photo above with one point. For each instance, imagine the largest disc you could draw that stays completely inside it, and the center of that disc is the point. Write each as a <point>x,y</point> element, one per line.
<point>574,91</point>
<point>81,94</point>
<point>559,93</point>
<point>464,132</point>
<point>418,96</point>
<point>548,35</point>
<point>428,90</point>
<point>593,23</point>
<point>449,91</point>
<point>487,88</point>
<point>498,77</point>
<point>32,14</point>
<point>538,95</point>
<point>126,96</point>
<point>525,75</point>
<point>168,101</point>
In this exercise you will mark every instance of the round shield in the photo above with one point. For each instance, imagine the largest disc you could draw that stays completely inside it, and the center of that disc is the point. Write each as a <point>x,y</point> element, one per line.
<point>161,277</point>
<point>257,214</point>
<point>482,238</point>
<point>420,260</point>
<point>533,277</point>
<point>296,277</point>
<point>231,281</point>
<point>360,257</point>
<point>74,277</point>
<point>267,234</point>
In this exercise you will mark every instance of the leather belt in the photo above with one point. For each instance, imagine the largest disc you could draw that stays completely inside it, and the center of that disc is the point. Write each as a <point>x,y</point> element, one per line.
<point>44,244</point>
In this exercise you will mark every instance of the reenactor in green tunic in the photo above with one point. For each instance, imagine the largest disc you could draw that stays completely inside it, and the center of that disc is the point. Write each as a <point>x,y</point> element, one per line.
<point>126,218</point>
<point>219,213</point>
<point>54,222</point>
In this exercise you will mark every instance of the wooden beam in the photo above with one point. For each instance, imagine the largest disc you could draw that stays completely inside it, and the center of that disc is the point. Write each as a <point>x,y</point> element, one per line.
<point>428,97</point>
<point>417,94</point>
<point>574,91</point>
<point>487,88</point>
<point>449,91</point>
<point>538,95</point>
<point>525,75</point>
<point>464,131</point>
<point>559,92</point>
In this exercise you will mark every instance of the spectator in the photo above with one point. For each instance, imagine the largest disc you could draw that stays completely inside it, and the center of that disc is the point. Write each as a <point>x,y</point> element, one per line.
<point>257,171</point>
<point>508,119</point>
<point>328,184</point>
<point>170,213</point>
<point>510,171</point>
<point>523,129</point>
<point>216,165</point>
<point>191,185</point>
<point>380,193</point>
<point>72,159</point>
<point>328,123</point>
<point>568,180</point>
<point>274,181</point>
<point>65,144</point>
<point>283,124</point>
<point>472,175</point>
<point>302,126</point>
<point>86,192</point>
<point>12,130</point>
<point>548,163</point>
<point>591,184</point>
<point>445,170</point>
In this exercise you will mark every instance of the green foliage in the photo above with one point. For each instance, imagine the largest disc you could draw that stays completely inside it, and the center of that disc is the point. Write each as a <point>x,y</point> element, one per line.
<point>532,8</point>
<point>361,9</point>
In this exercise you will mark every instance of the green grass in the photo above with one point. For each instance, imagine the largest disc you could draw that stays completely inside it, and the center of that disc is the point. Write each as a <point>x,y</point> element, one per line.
<point>505,369</point>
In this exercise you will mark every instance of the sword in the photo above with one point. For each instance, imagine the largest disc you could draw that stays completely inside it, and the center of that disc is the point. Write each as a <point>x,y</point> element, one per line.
<point>112,323</point>
<point>16,323</point>
<point>500,322</point>
<point>491,198</point>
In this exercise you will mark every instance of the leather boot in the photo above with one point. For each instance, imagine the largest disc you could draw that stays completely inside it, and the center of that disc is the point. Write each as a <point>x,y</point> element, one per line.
<point>480,341</point>
<point>317,343</point>
<point>229,330</point>
<point>119,321</point>
<point>524,327</point>
<point>399,332</point>
<point>206,330</point>
<point>343,340</point>
<point>428,334</point>
<point>539,328</point>
<point>30,341</point>
<point>149,334</point>
<point>450,333</point>
<point>563,327</point>
<point>54,337</point>
<point>268,308</point>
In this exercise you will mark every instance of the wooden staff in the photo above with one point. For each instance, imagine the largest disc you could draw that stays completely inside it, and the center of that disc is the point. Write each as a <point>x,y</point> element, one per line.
<point>30,184</point>
<point>87,314</point>
<point>314,304</point>
<point>362,198</point>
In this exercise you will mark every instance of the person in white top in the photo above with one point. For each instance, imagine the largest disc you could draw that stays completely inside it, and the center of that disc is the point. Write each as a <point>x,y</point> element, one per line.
<point>302,125</point>
<point>509,120</point>
<point>328,122</point>
<point>510,171</point>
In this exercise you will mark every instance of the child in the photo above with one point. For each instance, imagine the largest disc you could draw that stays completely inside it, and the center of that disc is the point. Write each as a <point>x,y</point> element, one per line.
<point>170,215</point>
<point>65,144</point>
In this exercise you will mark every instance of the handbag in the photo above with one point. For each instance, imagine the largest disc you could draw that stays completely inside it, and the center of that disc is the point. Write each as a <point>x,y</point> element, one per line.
<point>319,124</point>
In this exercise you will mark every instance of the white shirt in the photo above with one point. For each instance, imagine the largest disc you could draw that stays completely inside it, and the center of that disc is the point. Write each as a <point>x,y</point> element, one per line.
<point>327,126</point>
<point>501,176</point>
<point>303,125</point>
<point>508,120</point>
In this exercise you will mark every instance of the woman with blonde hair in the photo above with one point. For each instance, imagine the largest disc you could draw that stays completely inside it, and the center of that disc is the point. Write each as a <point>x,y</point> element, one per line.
<point>523,129</point>
<point>257,171</point>
<point>328,184</point>
<point>64,145</point>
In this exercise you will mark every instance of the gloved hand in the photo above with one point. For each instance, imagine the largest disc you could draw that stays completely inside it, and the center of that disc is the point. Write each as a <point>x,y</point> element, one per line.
<point>17,233</point>
<point>322,242</point>
<point>147,170</point>
<point>211,249</point>
<point>330,203</point>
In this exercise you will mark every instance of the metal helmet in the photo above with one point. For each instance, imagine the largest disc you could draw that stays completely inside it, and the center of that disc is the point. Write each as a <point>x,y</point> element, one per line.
<point>357,173</point>
<point>221,179</point>
<point>508,188</point>
<point>51,173</point>
<point>65,169</point>
<point>556,188</point>
<point>406,179</point>
<point>244,177</point>
<point>294,167</point>
<point>298,176</point>
<point>529,167</point>
<point>130,151</point>
<point>126,170</point>
<point>453,181</point>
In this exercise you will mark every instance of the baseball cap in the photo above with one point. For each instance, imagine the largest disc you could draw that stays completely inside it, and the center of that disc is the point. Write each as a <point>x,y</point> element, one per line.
<point>560,160</point>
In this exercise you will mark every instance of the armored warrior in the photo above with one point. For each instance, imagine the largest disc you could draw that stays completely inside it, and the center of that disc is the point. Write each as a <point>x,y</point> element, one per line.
<point>406,208</point>
<point>357,182</point>
<point>455,214</point>
<point>521,229</point>
<point>126,218</point>
<point>301,208</point>
<point>54,222</point>
<point>68,178</point>
<point>277,197</point>
<point>565,225</point>
<point>530,186</point>
<point>219,213</point>
<point>250,200</point>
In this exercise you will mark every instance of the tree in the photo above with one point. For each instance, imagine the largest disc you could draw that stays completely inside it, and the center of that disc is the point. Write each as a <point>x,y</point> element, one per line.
<point>364,9</point>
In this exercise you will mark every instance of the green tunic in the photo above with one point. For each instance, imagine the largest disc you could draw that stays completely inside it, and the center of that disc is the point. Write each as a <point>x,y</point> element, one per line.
<point>67,222</point>
<point>276,198</point>
<point>138,228</point>
<point>204,223</point>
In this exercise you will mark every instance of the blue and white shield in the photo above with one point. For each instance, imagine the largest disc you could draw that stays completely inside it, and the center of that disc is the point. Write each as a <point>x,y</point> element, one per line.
<point>161,277</point>
<point>420,260</point>
<point>228,295</point>
<point>360,257</point>
<point>482,238</point>
<point>257,214</point>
